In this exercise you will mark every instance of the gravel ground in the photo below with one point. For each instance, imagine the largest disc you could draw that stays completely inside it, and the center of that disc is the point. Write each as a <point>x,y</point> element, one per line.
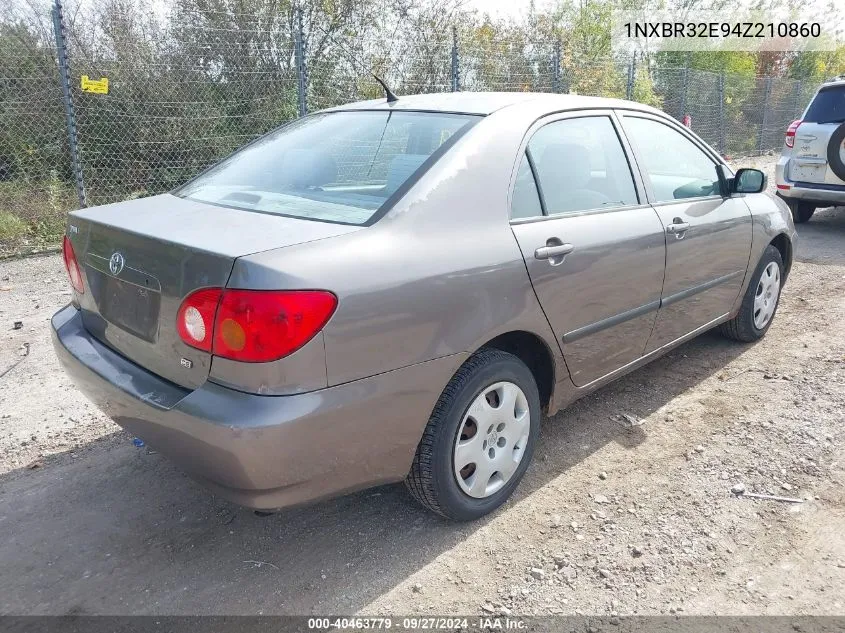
<point>609,519</point>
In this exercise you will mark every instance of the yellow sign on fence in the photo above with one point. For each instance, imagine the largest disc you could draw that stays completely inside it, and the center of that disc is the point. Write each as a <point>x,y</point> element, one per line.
<point>98,86</point>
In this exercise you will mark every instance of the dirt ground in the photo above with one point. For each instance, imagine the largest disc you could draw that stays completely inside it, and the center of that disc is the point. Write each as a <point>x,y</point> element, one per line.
<point>609,519</point>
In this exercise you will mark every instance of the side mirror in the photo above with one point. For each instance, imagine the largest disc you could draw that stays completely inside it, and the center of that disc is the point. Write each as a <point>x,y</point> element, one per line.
<point>748,181</point>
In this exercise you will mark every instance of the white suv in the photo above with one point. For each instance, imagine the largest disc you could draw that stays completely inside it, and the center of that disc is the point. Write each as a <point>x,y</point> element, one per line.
<point>811,169</point>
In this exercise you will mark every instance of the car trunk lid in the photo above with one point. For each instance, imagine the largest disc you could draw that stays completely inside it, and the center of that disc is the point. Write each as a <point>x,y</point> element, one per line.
<point>141,258</point>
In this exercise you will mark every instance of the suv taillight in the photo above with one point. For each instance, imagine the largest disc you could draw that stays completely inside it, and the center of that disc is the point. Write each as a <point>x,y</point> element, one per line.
<point>253,326</point>
<point>72,266</point>
<point>790,132</point>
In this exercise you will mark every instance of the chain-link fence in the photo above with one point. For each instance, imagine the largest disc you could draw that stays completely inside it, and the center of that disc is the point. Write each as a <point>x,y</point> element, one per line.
<point>36,182</point>
<point>183,95</point>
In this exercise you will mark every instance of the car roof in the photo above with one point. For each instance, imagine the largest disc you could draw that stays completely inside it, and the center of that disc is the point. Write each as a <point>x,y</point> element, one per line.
<point>485,103</point>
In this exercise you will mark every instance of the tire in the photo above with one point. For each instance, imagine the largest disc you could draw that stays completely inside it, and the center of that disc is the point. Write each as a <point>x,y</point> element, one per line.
<point>747,326</point>
<point>834,155</point>
<point>801,211</point>
<point>433,478</point>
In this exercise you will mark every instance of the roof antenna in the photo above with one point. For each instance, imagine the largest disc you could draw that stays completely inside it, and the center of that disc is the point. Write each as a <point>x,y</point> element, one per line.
<point>390,96</point>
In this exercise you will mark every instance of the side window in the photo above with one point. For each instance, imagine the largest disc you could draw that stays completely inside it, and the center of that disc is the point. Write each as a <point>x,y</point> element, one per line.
<point>581,165</point>
<point>676,166</point>
<point>526,199</point>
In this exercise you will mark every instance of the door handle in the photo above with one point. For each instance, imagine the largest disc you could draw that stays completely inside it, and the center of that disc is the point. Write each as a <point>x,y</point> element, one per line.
<point>552,252</point>
<point>678,228</point>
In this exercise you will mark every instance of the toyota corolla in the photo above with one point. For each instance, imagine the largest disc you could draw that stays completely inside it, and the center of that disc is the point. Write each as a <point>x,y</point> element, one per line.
<point>398,290</point>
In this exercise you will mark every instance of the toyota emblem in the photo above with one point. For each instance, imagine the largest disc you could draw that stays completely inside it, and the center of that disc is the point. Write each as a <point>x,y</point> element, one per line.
<point>116,262</point>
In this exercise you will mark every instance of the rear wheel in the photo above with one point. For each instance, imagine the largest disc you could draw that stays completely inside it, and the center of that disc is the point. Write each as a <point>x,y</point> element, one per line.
<point>760,301</point>
<point>479,439</point>
<point>801,211</point>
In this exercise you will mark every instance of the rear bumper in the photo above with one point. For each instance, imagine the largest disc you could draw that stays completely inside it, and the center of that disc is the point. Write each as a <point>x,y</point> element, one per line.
<point>821,194</point>
<point>262,451</point>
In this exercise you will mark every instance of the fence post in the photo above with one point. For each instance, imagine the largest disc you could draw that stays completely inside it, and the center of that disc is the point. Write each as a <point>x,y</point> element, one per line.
<point>70,112</point>
<point>722,113</point>
<point>685,88</point>
<point>556,67</point>
<point>456,72</point>
<point>765,120</point>
<point>632,69</point>
<point>565,78</point>
<point>299,60</point>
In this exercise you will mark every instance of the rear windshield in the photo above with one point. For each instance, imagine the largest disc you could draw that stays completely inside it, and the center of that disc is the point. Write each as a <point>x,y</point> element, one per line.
<point>828,106</point>
<point>335,167</point>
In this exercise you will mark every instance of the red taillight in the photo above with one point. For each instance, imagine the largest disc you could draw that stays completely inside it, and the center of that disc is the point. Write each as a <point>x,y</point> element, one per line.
<point>72,266</point>
<point>195,319</point>
<point>253,326</point>
<point>790,132</point>
<point>257,326</point>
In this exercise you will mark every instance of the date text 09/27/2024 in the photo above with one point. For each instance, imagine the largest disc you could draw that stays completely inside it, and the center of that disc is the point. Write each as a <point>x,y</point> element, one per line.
<point>433,623</point>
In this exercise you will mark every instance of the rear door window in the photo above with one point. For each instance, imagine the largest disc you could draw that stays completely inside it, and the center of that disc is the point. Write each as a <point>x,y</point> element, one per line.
<point>581,165</point>
<point>828,106</point>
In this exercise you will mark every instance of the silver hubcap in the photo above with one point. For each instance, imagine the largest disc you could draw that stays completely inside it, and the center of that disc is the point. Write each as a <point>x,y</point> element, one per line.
<point>491,440</point>
<point>766,298</point>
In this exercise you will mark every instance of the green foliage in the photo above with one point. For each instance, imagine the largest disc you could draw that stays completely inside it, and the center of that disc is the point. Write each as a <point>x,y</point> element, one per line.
<point>31,123</point>
<point>11,227</point>
<point>644,89</point>
<point>33,214</point>
<point>818,65</point>
<point>587,29</point>
<point>742,63</point>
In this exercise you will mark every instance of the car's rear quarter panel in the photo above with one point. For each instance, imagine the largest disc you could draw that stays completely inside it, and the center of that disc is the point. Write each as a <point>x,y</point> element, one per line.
<point>440,274</point>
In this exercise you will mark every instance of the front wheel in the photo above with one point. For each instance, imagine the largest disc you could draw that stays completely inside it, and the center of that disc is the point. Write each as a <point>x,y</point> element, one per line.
<point>760,301</point>
<point>480,438</point>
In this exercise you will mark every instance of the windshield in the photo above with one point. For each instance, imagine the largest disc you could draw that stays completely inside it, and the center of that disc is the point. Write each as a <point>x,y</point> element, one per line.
<point>334,167</point>
<point>828,106</point>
